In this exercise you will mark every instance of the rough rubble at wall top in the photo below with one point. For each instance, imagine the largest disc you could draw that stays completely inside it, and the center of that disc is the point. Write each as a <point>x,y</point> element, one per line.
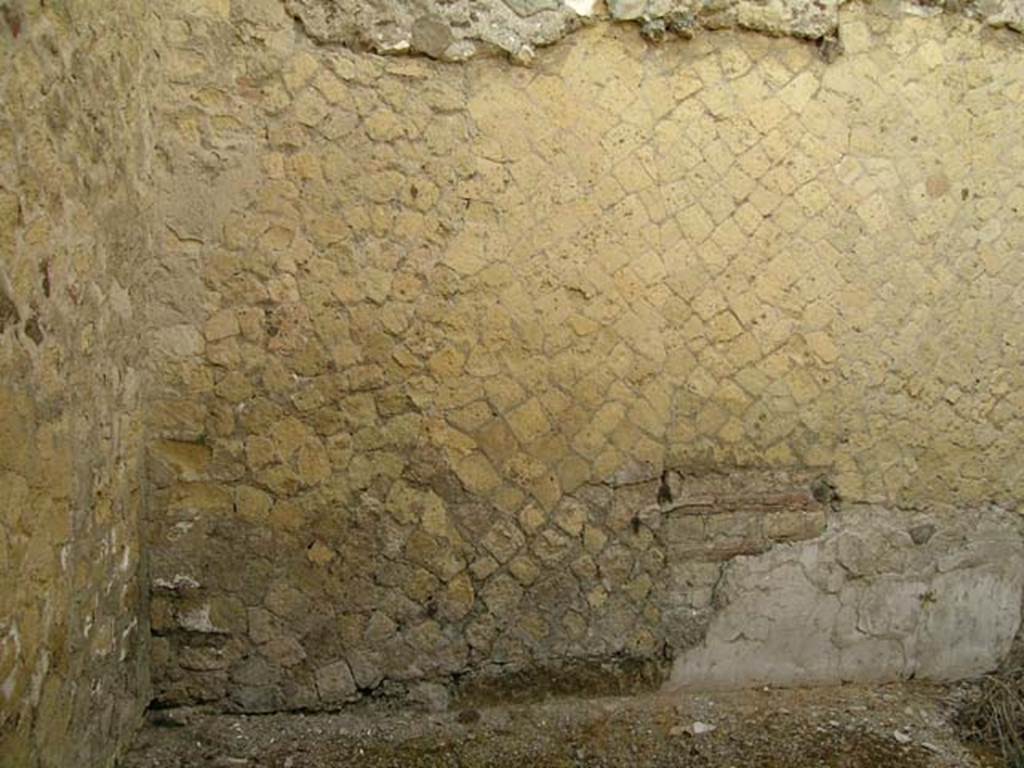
<point>455,31</point>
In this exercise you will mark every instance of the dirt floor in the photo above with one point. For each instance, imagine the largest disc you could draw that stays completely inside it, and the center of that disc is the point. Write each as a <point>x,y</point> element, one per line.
<point>848,727</point>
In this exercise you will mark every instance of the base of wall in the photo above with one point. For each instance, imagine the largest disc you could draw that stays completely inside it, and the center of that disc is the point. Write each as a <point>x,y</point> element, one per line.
<point>867,594</point>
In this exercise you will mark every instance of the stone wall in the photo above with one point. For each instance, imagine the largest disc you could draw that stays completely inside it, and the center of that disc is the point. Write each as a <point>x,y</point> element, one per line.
<point>694,362</point>
<point>476,373</point>
<point>73,233</point>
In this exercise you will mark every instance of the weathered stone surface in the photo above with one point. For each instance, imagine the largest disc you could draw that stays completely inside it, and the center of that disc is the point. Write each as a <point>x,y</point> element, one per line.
<point>530,7</point>
<point>431,36</point>
<point>75,238</point>
<point>335,683</point>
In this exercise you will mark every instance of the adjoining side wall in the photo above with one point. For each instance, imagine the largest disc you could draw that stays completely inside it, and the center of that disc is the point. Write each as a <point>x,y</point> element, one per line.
<point>73,231</point>
<point>466,372</point>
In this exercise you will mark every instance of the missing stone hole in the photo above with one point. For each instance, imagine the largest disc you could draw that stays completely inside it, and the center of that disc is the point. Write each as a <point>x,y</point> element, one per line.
<point>664,489</point>
<point>830,48</point>
<point>8,312</point>
<point>13,20</point>
<point>33,330</point>
<point>823,491</point>
<point>922,534</point>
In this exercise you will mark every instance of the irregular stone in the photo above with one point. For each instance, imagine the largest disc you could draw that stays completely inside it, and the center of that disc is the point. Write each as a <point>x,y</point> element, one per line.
<point>530,7</point>
<point>922,534</point>
<point>437,556</point>
<point>181,341</point>
<point>433,697</point>
<point>551,547</point>
<point>570,516</point>
<point>319,553</point>
<point>263,698</point>
<point>284,650</point>
<point>186,461</point>
<point>334,682</point>
<point>365,670</point>
<point>431,36</point>
<point>528,422</point>
<point>256,672</point>
<point>203,659</point>
<point>484,567</point>
<point>531,518</point>
<point>501,594</point>
<point>253,504</point>
<point>504,540</point>
<point>221,325</point>
<point>477,474</point>
<point>627,10</point>
<point>379,628</point>
<point>524,569</point>
<point>458,598</point>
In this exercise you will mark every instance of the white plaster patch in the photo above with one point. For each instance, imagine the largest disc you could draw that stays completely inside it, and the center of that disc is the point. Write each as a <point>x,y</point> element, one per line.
<point>125,634</point>
<point>7,689</point>
<point>38,676</point>
<point>197,620</point>
<point>12,638</point>
<point>864,603</point>
<point>582,7</point>
<point>180,582</point>
<point>924,11</point>
<point>179,530</point>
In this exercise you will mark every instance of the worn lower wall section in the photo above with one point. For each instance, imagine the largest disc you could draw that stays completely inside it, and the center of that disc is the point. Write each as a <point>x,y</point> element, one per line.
<point>73,632</point>
<point>467,371</point>
<point>426,590</point>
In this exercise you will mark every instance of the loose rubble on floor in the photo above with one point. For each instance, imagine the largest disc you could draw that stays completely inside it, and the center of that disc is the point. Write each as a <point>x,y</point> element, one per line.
<point>848,727</point>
